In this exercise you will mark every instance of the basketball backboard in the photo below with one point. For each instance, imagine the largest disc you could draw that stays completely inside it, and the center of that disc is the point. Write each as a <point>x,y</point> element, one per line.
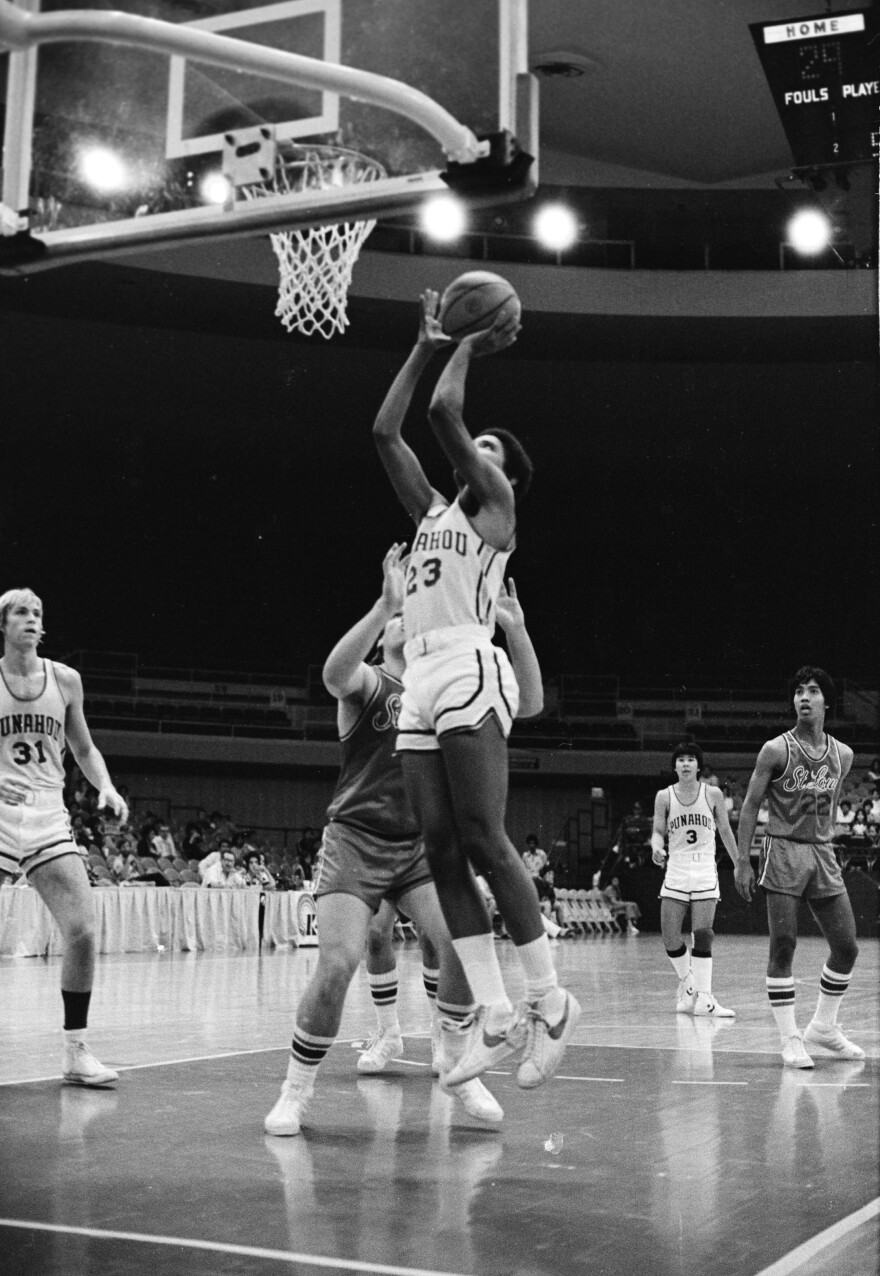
<point>119,126</point>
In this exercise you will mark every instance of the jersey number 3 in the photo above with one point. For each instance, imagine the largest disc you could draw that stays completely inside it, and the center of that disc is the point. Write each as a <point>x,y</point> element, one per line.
<point>431,570</point>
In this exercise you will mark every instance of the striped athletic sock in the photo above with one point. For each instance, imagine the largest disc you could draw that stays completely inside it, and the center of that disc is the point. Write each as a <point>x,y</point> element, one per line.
<point>832,986</point>
<point>383,990</point>
<point>429,979</point>
<point>781,994</point>
<point>306,1055</point>
<point>454,1015</point>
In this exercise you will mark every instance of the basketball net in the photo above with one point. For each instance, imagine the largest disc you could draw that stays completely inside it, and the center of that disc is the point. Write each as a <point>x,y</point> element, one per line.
<point>315,263</point>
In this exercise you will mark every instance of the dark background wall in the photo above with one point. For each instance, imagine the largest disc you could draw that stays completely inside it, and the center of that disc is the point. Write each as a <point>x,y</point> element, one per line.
<point>209,494</point>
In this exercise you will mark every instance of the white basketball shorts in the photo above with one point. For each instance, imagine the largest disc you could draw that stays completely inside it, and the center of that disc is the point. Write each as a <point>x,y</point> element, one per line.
<point>454,680</point>
<point>34,832</point>
<point>691,876</point>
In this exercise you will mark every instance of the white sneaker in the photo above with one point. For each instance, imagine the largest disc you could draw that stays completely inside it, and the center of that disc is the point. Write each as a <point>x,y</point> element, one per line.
<point>382,1046</point>
<point>793,1053</point>
<point>546,1042</point>
<point>286,1117</point>
<point>80,1067</point>
<point>706,1006</point>
<point>476,1100</point>
<point>486,1049</point>
<point>684,999</point>
<point>632,930</point>
<point>436,1048</point>
<point>828,1042</point>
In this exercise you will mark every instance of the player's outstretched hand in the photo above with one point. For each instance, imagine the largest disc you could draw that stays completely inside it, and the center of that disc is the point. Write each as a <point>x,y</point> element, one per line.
<point>509,614</point>
<point>502,334</point>
<point>392,578</point>
<point>430,332</point>
<point>744,880</point>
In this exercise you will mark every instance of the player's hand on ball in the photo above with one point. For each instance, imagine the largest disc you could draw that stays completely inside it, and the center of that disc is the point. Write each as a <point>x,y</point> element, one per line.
<point>430,332</point>
<point>503,333</point>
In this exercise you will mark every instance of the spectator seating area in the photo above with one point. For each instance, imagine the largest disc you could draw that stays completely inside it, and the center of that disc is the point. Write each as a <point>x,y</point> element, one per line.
<point>589,713</point>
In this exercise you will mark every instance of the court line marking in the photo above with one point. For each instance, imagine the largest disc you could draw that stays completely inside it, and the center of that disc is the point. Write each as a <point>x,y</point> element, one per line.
<point>804,1253</point>
<point>221,1247</point>
<point>745,1083</point>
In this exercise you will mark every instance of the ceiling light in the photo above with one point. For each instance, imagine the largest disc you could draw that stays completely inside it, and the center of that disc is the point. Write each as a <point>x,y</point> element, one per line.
<point>556,227</point>
<point>443,218</point>
<point>563,64</point>
<point>214,188</point>
<point>103,169</point>
<point>809,231</point>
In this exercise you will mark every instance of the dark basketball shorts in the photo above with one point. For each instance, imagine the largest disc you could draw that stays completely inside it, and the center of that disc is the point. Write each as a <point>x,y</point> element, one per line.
<point>354,862</point>
<point>34,832</point>
<point>806,869</point>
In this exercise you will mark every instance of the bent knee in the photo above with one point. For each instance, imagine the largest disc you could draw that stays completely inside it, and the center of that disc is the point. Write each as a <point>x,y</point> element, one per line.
<point>782,950</point>
<point>703,937</point>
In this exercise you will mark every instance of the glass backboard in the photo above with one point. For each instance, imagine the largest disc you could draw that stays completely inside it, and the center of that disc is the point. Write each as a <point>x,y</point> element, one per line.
<point>110,145</point>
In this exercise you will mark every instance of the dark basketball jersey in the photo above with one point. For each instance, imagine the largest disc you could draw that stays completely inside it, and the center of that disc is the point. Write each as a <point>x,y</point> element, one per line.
<point>803,799</point>
<point>370,793</point>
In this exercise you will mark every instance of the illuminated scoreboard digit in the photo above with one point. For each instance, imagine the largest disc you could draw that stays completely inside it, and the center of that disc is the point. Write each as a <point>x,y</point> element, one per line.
<point>824,74</point>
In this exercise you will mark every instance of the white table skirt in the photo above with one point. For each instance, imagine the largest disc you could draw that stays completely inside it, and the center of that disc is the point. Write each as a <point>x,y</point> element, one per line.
<point>137,919</point>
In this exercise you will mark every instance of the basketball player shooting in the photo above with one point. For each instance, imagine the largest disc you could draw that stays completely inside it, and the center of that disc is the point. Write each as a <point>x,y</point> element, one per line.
<point>460,697</point>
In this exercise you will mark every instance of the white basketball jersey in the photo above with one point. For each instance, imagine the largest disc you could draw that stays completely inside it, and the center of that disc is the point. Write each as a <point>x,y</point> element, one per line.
<point>690,828</point>
<point>452,576</point>
<point>32,741</point>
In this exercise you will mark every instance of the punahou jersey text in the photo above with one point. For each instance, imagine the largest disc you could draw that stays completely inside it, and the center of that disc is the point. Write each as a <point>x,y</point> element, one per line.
<point>690,828</point>
<point>32,742</point>
<point>370,792</point>
<point>803,799</point>
<point>452,576</point>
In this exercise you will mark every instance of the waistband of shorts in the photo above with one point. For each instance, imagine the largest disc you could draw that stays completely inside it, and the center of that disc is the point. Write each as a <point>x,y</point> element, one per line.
<point>692,856</point>
<point>451,635</point>
<point>42,797</point>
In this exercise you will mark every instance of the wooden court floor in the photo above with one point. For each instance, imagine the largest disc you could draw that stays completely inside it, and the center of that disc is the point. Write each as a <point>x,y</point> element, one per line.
<point>666,1146</point>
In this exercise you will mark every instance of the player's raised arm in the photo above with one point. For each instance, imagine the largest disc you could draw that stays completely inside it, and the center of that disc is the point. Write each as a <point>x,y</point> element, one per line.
<point>446,413</point>
<point>401,463</point>
<point>346,672</point>
<point>523,657</point>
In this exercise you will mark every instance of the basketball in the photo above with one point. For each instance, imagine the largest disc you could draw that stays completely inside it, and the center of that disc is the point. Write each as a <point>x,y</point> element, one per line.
<point>473,302</point>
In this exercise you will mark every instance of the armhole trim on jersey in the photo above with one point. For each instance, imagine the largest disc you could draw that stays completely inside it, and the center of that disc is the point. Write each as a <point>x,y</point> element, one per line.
<point>776,778</point>
<point>368,704</point>
<point>50,664</point>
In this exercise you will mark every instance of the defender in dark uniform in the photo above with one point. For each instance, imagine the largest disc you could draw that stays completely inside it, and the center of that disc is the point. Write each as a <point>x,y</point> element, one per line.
<point>801,773</point>
<point>371,851</point>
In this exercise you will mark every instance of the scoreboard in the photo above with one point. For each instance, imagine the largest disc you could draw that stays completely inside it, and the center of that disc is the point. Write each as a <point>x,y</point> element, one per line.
<point>824,74</point>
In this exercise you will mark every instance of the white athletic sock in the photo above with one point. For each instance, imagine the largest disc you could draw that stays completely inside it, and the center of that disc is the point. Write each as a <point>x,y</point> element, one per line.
<point>681,963</point>
<point>832,986</point>
<point>480,962</point>
<point>781,994</point>
<point>702,968</point>
<point>538,969</point>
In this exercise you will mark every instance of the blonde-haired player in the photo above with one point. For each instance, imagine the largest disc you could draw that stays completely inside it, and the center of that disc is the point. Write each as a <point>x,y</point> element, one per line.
<point>688,814</point>
<point>41,712</point>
